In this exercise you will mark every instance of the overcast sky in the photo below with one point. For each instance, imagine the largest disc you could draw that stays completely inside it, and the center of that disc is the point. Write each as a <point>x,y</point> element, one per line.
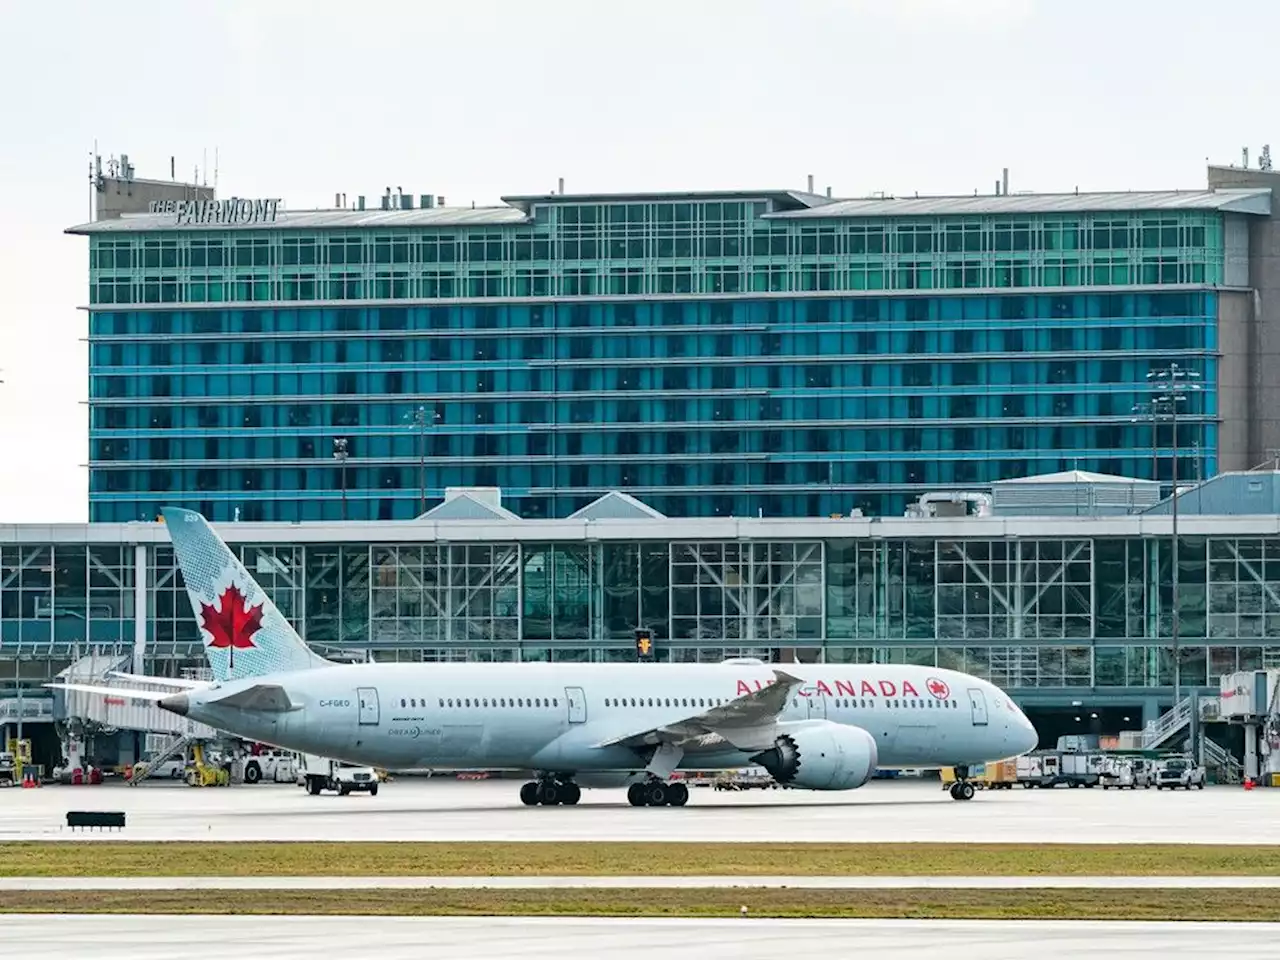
<point>474,99</point>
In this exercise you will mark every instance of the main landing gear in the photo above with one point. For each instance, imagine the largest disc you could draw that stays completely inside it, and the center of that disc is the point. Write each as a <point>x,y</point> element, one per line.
<point>655,793</point>
<point>963,788</point>
<point>550,792</point>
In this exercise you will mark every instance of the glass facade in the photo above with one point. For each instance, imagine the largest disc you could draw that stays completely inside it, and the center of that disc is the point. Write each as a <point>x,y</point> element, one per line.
<point>658,248</point>
<point>1029,612</point>
<point>712,357</point>
<point>700,407</point>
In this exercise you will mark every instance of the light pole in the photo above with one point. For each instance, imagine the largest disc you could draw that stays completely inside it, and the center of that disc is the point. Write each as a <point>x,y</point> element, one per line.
<point>340,455</point>
<point>420,418</point>
<point>1170,386</point>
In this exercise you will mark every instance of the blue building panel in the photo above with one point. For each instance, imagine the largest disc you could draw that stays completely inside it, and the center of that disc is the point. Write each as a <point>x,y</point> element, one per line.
<point>787,406</point>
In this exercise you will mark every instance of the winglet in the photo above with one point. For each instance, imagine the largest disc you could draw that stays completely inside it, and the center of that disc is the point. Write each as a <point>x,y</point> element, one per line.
<point>783,677</point>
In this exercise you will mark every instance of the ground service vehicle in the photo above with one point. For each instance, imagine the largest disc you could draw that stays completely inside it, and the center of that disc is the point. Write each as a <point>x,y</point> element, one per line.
<point>1080,769</point>
<point>273,766</point>
<point>321,773</point>
<point>1179,772</point>
<point>1038,770</point>
<point>1122,772</point>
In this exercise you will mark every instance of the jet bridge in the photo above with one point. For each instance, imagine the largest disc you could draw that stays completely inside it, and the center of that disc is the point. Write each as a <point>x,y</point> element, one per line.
<point>84,716</point>
<point>1252,698</point>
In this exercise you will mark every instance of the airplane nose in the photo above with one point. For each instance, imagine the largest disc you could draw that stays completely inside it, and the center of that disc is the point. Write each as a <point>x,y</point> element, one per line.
<point>1027,736</point>
<point>179,703</point>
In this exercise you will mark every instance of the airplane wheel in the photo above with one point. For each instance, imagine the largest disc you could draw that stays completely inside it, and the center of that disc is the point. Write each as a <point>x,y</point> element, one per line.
<point>635,795</point>
<point>677,794</point>
<point>572,794</point>
<point>966,791</point>
<point>252,773</point>
<point>955,790</point>
<point>548,793</point>
<point>656,794</point>
<point>529,793</point>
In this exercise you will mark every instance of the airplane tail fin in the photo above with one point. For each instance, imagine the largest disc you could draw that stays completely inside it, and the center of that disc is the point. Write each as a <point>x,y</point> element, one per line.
<point>244,634</point>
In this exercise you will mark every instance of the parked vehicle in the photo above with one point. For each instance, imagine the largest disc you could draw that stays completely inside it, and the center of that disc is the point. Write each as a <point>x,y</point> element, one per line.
<point>1081,769</point>
<point>321,773</point>
<point>1122,772</point>
<point>1038,770</point>
<point>273,766</point>
<point>1178,772</point>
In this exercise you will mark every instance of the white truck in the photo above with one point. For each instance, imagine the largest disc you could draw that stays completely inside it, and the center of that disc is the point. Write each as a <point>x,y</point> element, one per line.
<point>1122,772</point>
<point>271,766</point>
<point>321,773</point>
<point>1178,772</point>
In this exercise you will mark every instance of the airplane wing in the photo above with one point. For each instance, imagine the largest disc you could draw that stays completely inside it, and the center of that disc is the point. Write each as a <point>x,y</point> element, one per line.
<point>159,681</point>
<point>745,722</point>
<point>153,695</point>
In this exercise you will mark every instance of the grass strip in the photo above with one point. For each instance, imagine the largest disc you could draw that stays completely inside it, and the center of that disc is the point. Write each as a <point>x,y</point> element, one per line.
<point>540,858</point>
<point>1028,904</point>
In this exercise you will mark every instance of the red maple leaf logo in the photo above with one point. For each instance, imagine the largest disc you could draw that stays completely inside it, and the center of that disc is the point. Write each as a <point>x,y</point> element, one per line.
<point>233,625</point>
<point>939,689</point>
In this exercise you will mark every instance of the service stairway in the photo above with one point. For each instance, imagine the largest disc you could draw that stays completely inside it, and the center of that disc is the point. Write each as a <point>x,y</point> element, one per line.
<point>1162,731</point>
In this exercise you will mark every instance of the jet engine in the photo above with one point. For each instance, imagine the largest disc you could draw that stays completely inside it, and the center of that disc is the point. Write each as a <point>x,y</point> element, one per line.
<point>820,755</point>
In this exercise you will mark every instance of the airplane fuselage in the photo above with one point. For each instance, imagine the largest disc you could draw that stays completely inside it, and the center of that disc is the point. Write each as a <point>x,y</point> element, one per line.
<point>556,716</point>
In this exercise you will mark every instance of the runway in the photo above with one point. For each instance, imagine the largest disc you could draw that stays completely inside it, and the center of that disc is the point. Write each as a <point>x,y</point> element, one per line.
<point>100,884</point>
<point>402,938</point>
<point>446,809</point>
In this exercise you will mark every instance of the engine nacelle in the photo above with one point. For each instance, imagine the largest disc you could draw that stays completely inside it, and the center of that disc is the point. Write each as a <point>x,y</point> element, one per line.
<point>820,755</point>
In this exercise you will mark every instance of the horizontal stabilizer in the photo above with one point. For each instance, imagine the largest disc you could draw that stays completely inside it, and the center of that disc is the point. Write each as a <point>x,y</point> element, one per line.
<point>155,696</point>
<point>159,681</point>
<point>263,697</point>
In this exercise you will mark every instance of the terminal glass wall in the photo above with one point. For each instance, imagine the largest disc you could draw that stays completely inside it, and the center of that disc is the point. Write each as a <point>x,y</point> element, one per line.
<point>1029,614</point>
<point>795,406</point>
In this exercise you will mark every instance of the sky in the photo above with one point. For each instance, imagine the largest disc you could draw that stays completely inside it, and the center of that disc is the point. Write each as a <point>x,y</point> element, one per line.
<point>476,99</point>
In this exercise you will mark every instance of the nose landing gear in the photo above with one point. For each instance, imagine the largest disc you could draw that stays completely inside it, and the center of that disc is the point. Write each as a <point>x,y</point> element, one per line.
<point>655,793</point>
<point>550,792</point>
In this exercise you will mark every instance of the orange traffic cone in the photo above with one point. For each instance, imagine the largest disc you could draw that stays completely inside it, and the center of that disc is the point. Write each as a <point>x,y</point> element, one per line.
<point>1248,783</point>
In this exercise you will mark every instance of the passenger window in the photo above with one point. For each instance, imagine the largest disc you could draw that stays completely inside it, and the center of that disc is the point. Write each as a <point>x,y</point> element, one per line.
<point>403,704</point>
<point>555,701</point>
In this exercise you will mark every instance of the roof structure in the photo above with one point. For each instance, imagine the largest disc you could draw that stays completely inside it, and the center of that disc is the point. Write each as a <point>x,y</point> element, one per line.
<point>1074,476</point>
<point>466,506</point>
<point>318,220</point>
<point>1251,201</point>
<point>783,199</point>
<point>616,505</point>
<point>788,205</point>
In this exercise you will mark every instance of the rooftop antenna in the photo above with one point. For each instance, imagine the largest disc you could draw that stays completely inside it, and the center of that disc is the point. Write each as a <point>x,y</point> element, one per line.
<point>1005,183</point>
<point>1264,159</point>
<point>204,162</point>
<point>215,169</point>
<point>1245,154</point>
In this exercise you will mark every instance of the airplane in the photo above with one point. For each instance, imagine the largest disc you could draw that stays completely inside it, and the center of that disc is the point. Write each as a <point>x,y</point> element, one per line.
<point>811,726</point>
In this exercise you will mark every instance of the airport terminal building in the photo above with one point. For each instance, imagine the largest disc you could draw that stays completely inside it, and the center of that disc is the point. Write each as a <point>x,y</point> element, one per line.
<point>774,353</point>
<point>1067,605</point>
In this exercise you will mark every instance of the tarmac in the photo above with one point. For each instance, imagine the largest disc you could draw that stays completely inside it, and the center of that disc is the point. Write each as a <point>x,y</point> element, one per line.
<point>448,809</point>
<point>100,884</point>
<point>110,937</point>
